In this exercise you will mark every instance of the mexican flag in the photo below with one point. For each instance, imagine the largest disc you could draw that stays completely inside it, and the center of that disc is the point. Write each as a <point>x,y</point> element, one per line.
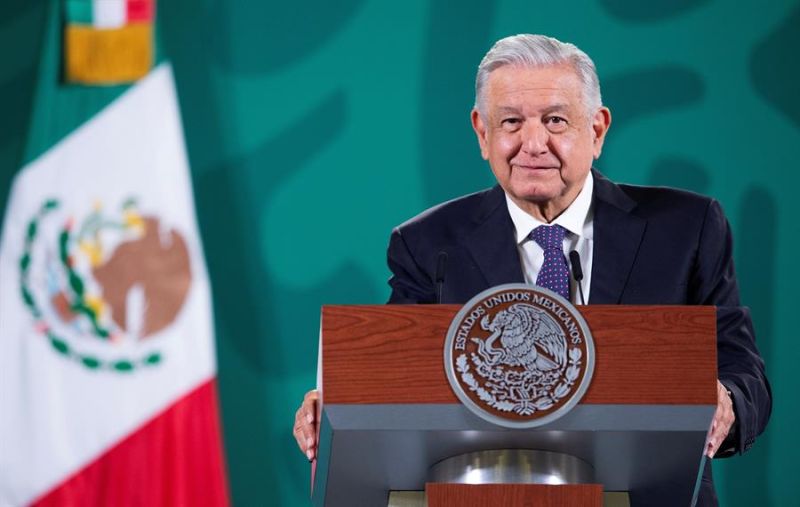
<point>108,41</point>
<point>107,370</point>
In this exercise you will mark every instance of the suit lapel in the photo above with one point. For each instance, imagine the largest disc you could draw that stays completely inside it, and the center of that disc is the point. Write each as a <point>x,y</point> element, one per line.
<point>617,236</point>
<point>492,242</point>
<point>617,232</point>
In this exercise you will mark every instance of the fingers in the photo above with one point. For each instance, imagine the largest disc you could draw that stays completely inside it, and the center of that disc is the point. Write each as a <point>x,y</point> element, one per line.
<point>722,423</point>
<point>305,427</point>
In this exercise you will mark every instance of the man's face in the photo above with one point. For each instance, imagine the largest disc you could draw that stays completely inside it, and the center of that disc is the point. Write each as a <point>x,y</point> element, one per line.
<point>538,136</point>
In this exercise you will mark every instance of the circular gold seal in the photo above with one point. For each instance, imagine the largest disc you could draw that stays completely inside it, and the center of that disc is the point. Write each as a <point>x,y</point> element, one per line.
<point>519,356</point>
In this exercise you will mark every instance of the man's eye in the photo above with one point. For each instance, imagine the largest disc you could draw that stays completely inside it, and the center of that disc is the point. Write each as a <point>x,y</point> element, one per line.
<point>510,123</point>
<point>556,123</point>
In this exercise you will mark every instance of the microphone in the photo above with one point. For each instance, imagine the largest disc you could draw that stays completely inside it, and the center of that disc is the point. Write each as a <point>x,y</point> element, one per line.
<point>577,272</point>
<point>441,268</point>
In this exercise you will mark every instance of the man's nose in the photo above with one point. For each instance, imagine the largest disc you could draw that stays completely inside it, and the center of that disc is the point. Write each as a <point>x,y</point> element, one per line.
<point>534,138</point>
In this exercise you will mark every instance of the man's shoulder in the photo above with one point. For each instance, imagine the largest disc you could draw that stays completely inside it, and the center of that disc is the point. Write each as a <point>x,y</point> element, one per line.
<point>658,194</point>
<point>455,215</point>
<point>650,200</point>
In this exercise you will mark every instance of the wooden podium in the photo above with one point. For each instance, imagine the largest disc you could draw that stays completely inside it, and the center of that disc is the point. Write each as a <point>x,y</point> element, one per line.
<point>388,413</point>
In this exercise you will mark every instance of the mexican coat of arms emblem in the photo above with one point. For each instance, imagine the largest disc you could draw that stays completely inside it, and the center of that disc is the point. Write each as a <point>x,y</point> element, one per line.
<point>519,356</point>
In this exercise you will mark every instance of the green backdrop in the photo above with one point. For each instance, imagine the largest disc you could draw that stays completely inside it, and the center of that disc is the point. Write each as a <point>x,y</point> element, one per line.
<point>314,127</point>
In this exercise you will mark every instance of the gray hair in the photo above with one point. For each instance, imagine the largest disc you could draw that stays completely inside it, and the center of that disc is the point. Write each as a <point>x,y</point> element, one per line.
<point>536,51</point>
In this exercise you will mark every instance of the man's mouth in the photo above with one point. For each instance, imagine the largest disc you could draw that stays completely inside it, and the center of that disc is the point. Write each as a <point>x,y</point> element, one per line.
<point>535,167</point>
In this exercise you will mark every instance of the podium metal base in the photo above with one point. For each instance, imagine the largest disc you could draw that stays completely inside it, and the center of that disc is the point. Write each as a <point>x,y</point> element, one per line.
<point>512,466</point>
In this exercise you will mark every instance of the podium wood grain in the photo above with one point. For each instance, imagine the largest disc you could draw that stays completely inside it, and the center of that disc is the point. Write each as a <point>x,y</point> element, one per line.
<point>514,495</point>
<point>390,354</point>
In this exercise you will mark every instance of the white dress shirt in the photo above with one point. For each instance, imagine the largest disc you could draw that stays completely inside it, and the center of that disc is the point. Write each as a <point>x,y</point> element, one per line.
<point>577,219</point>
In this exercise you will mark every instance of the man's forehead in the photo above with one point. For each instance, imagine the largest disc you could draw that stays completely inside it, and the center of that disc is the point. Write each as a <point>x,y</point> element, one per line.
<point>544,78</point>
<point>512,86</point>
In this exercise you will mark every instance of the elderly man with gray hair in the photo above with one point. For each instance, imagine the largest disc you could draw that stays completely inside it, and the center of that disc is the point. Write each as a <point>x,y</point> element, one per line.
<point>540,123</point>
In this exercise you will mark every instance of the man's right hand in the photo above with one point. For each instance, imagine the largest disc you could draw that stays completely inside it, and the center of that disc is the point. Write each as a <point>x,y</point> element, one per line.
<point>305,425</point>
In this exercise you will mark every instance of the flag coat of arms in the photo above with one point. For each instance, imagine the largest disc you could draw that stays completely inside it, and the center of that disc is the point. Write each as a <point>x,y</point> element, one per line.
<point>108,366</point>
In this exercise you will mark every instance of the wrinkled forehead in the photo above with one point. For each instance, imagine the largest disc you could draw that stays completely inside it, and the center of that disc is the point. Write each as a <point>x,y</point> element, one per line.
<point>514,86</point>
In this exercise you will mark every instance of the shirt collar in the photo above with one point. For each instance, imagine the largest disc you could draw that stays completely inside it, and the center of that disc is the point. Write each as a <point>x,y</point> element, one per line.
<point>573,219</point>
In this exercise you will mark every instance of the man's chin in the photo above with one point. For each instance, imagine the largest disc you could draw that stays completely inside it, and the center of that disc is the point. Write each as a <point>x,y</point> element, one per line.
<point>539,194</point>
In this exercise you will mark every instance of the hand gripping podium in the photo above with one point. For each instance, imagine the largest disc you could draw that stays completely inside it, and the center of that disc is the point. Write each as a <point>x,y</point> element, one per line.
<point>389,420</point>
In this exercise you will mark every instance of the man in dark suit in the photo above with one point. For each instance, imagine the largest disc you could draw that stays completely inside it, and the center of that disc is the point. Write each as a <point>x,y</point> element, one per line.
<point>540,123</point>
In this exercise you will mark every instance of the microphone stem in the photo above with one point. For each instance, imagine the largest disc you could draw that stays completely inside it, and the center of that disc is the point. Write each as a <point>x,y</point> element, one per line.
<point>580,291</point>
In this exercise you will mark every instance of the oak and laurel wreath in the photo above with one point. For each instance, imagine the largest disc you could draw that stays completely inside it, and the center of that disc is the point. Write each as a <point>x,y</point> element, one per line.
<point>543,403</point>
<point>78,304</point>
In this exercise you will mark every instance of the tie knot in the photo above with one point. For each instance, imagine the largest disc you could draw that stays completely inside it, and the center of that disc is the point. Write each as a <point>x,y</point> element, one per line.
<point>549,236</point>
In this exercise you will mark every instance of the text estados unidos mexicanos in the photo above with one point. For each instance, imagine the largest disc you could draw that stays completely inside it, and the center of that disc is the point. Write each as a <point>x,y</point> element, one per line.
<point>571,327</point>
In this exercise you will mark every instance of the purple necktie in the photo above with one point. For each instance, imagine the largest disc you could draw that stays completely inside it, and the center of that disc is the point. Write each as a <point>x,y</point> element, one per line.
<point>554,274</point>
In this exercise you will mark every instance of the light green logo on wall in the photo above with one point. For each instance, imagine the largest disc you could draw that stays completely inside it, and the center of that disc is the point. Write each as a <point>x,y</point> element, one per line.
<point>101,289</point>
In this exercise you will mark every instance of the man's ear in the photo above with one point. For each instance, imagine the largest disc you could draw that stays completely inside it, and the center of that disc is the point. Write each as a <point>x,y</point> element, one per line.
<point>480,130</point>
<point>600,124</point>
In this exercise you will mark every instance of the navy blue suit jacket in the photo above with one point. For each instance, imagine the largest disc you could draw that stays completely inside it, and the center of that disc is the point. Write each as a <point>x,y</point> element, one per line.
<point>652,245</point>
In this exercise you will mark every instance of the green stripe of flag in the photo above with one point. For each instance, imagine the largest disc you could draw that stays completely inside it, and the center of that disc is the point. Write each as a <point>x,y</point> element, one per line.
<point>79,12</point>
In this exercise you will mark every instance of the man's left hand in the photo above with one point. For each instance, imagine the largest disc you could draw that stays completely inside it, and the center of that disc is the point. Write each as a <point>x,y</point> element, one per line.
<point>723,421</point>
